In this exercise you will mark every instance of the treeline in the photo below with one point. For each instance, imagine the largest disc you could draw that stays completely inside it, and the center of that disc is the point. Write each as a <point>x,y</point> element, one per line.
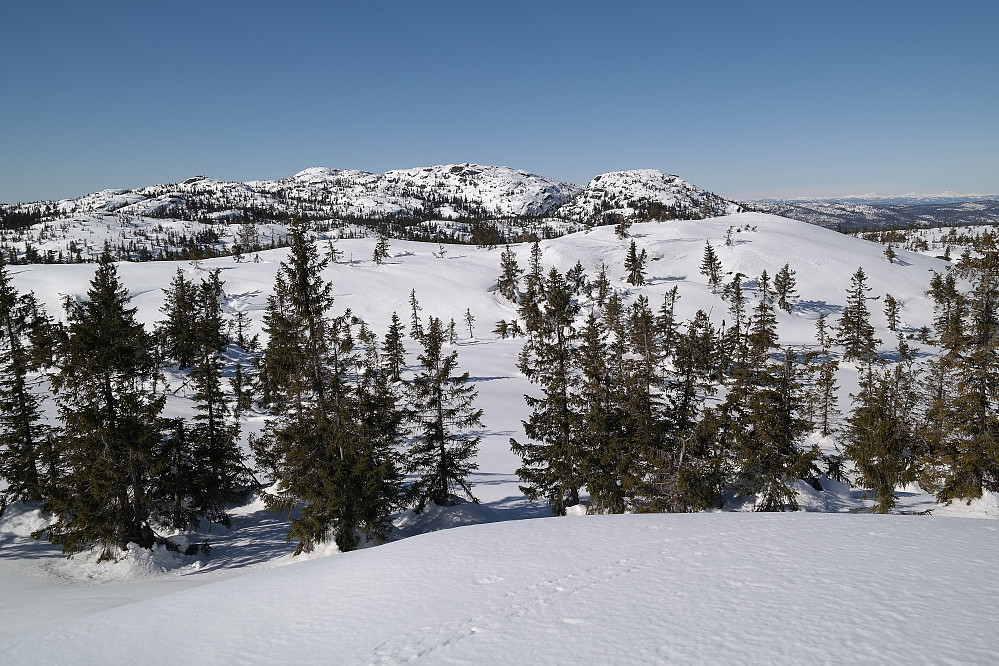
<point>344,428</point>
<point>620,409</point>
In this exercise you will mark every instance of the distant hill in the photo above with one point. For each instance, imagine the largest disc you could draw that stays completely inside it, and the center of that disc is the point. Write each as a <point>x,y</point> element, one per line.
<point>879,212</point>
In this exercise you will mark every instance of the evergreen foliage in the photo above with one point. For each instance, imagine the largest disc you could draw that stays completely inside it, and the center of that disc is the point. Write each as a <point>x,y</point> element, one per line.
<point>177,330</point>
<point>784,287</point>
<point>552,457</point>
<point>337,471</point>
<point>880,439</point>
<point>711,267</point>
<point>443,413</point>
<point>112,428</point>
<point>510,272</point>
<point>24,436</point>
<point>381,252</point>
<point>634,263</point>
<point>856,334</point>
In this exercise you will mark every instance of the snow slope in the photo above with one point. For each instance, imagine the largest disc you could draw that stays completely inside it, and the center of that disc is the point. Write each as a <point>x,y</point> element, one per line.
<point>717,588</point>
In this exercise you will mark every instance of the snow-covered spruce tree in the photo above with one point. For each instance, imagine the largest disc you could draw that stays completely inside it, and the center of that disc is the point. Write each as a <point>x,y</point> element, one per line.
<point>634,263</point>
<point>23,435</point>
<point>111,424</point>
<point>552,456</point>
<point>443,413</point>
<point>510,272</point>
<point>856,334</point>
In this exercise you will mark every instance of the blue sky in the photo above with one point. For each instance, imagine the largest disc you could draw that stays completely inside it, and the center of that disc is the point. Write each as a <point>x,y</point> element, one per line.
<point>746,99</point>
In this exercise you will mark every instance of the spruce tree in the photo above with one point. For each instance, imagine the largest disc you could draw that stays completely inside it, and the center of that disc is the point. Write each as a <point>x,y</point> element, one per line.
<point>23,434</point>
<point>379,431</point>
<point>784,287</point>
<point>177,330</point>
<point>510,272</point>
<point>469,320</point>
<point>323,463</point>
<point>576,277</point>
<point>443,412</point>
<point>602,285</point>
<point>220,476</point>
<point>711,267</point>
<point>971,452</point>
<point>415,325</point>
<point>855,331</point>
<point>879,438</point>
<point>381,252</point>
<point>949,310</point>
<point>393,351</point>
<point>634,263</point>
<point>599,402</point>
<point>111,424</point>
<point>822,367</point>
<point>891,312</point>
<point>667,326</point>
<point>552,455</point>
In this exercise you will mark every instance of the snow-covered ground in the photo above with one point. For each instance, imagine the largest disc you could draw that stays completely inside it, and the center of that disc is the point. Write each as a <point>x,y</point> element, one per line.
<point>703,588</point>
<point>639,589</point>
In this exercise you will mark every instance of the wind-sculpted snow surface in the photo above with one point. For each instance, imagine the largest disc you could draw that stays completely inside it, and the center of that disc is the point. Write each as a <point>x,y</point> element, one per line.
<point>709,588</point>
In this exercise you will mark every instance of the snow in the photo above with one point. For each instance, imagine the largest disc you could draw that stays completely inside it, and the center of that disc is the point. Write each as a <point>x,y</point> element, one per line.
<point>713,588</point>
<point>501,581</point>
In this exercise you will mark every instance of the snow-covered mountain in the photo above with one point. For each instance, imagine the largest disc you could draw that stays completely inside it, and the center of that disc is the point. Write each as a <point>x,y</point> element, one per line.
<point>450,202</point>
<point>645,194</point>
<point>437,192</point>
<point>449,191</point>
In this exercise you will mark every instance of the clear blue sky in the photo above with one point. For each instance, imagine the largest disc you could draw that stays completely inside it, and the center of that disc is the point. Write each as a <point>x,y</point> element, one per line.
<point>748,99</point>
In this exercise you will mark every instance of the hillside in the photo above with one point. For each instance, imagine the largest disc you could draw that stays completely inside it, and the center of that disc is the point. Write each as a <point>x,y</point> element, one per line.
<point>879,212</point>
<point>701,587</point>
